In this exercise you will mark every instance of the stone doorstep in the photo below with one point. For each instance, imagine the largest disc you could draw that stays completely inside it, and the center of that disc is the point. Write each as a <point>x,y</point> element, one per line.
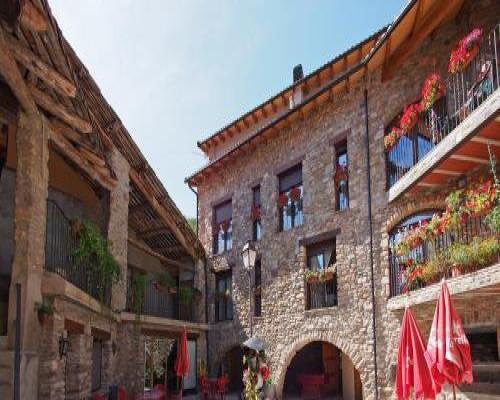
<point>473,283</point>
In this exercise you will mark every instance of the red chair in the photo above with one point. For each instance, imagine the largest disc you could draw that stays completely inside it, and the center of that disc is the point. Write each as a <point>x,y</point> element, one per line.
<point>159,387</point>
<point>204,388</point>
<point>311,385</point>
<point>122,394</point>
<point>98,396</point>
<point>221,386</point>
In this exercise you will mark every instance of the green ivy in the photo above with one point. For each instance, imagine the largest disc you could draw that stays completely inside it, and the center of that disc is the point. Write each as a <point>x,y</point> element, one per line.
<point>185,294</point>
<point>139,286</point>
<point>94,253</point>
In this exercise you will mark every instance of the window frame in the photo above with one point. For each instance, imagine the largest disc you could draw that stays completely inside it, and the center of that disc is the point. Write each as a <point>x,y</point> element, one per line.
<point>341,203</point>
<point>296,216</point>
<point>220,236</point>
<point>257,309</point>
<point>227,278</point>
<point>257,224</point>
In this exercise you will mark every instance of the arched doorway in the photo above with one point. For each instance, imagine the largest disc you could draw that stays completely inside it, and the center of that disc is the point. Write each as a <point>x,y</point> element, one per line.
<point>232,365</point>
<point>319,369</point>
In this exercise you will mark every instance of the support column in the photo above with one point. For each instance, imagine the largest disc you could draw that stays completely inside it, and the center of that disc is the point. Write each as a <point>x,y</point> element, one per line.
<point>29,239</point>
<point>118,226</point>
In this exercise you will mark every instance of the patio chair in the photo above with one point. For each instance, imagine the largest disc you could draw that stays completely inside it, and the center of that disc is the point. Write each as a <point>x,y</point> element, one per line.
<point>221,387</point>
<point>204,388</point>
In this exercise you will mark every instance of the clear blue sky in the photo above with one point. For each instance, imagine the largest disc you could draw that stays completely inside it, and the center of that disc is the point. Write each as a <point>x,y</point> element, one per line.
<point>176,71</point>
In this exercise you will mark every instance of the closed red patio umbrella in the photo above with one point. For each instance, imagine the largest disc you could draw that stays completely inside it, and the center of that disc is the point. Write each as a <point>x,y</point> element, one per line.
<point>448,350</point>
<point>412,368</point>
<point>182,360</point>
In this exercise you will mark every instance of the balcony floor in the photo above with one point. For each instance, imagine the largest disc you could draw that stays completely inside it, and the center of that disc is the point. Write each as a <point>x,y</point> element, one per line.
<point>482,283</point>
<point>464,149</point>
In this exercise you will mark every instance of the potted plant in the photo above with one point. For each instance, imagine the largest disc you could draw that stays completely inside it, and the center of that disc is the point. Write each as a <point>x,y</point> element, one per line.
<point>282,200</point>
<point>311,276</point>
<point>432,90</point>
<point>44,311</point>
<point>392,138</point>
<point>255,213</point>
<point>465,52</point>
<point>329,272</point>
<point>410,117</point>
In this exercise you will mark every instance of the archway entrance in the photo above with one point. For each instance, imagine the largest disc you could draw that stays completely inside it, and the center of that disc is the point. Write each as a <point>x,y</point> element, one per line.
<point>233,366</point>
<point>321,370</point>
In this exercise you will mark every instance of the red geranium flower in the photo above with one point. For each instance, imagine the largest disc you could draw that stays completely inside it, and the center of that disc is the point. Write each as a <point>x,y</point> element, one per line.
<point>255,213</point>
<point>295,194</point>
<point>282,200</point>
<point>432,91</point>
<point>465,51</point>
<point>410,117</point>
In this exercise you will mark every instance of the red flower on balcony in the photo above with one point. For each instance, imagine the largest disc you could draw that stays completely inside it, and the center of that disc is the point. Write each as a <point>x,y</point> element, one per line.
<point>295,194</point>
<point>432,91</point>
<point>255,213</point>
<point>465,51</point>
<point>282,200</point>
<point>341,174</point>
<point>392,138</point>
<point>410,117</point>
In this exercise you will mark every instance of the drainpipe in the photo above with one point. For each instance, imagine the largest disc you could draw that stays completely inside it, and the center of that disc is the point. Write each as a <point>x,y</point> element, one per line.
<point>368,175</point>
<point>205,263</point>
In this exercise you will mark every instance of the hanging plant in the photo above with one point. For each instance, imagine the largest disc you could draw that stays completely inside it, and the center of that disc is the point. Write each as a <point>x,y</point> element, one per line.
<point>329,272</point>
<point>392,138</point>
<point>163,281</point>
<point>465,52</point>
<point>432,90</point>
<point>185,294</point>
<point>255,213</point>
<point>94,253</point>
<point>44,311</point>
<point>410,117</point>
<point>138,287</point>
<point>295,193</point>
<point>282,200</point>
<point>341,175</point>
<point>311,276</point>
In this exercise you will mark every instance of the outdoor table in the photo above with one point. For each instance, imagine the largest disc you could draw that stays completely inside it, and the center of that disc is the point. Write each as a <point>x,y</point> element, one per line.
<point>311,385</point>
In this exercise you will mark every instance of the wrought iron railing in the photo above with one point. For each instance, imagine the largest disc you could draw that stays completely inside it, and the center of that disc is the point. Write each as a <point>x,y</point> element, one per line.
<point>61,244</point>
<point>471,228</point>
<point>159,301</point>
<point>321,294</point>
<point>465,91</point>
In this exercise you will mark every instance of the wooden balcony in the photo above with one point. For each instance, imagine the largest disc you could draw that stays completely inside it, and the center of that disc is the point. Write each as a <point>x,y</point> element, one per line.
<point>454,137</point>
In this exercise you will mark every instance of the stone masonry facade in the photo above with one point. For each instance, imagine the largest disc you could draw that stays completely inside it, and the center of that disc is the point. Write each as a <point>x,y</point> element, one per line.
<point>285,323</point>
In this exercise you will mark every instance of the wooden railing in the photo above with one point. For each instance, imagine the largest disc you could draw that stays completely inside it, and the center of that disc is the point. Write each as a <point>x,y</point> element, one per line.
<point>465,91</point>
<point>60,247</point>
<point>472,228</point>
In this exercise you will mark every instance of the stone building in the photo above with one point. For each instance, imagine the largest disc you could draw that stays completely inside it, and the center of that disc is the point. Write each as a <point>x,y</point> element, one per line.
<point>305,176</point>
<point>66,158</point>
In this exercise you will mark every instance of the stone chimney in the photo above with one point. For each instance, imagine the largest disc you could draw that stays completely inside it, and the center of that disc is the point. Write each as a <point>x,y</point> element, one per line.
<point>296,98</point>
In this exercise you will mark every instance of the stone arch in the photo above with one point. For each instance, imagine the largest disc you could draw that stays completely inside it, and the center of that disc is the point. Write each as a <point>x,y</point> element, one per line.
<point>328,336</point>
<point>408,208</point>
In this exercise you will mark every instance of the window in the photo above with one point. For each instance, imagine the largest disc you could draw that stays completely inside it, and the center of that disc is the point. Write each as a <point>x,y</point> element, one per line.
<point>258,288</point>
<point>96,364</point>
<point>223,302</point>
<point>223,228</point>
<point>419,253</point>
<point>256,211</point>
<point>291,194</point>
<point>341,177</point>
<point>322,293</point>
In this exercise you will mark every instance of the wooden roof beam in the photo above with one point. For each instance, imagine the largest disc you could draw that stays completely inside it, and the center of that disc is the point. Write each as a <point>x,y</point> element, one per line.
<point>31,18</point>
<point>43,71</point>
<point>138,208</point>
<point>434,17</point>
<point>138,181</point>
<point>152,232</point>
<point>12,75</point>
<point>48,104</point>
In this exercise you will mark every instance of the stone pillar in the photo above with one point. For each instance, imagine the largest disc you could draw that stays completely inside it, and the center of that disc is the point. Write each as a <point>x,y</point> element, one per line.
<point>79,366</point>
<point>199,283</point>
<point>29,238</point>
<point>118,226</point>
<point>130,358</point>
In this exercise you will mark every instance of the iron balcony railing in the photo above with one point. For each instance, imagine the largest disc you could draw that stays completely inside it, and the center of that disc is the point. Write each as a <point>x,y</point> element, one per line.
<point>471,228</point>
<point>61,244</point>
<point>465,91</point>
<point>159,302</point>
<point>321,294</point>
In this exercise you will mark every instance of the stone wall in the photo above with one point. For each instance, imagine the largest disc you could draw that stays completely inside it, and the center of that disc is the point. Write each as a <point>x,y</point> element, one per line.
<point>285,324</point>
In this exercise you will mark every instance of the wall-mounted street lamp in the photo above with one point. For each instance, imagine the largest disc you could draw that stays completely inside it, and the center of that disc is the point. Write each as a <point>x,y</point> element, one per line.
<point>63,345</point>
<point>249,255</point>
